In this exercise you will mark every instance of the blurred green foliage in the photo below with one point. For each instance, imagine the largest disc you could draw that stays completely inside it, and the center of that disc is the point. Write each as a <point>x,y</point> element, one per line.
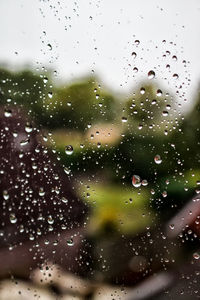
<point>80,104</point>
<point>151,127</point>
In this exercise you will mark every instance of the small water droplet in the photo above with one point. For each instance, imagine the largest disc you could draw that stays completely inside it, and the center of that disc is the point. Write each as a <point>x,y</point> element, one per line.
<point>168,106</point>
<point>50,220</point>
<point>135,70</point>
<point>137,42</point>
<point>165,113</point>
<point>154,101</point>
<point>49,46</point>
<point>174,57</point>
<point>196,255</point>
<point>70,242</point>
<point>69,150</point>
<point>164,194</point>
<point>45,79</point>
<point>64,200</point>
<point>124,119</point>
<point>41,192</point>
<point>5,195</point>
<point>151,74</point>
<point>13,218</point>
<point>157,159</point>
<point>175,76</point>
<point>50,95</point>
<point>144,182</point>
<point>136,181</point>
<point>67,170</point>
<point>28,127</point>
<point>134,54</point>
<point>8,113</point>
<point>159,93</point>
<point>24,142</point>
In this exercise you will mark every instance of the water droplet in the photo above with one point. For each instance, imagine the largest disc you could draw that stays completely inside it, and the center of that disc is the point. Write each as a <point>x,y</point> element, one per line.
<point>164,194</point>
<point>196,255</point>
<point>49,46</point>
<point>64,200</point>
<point>134,54</point>
<point>137,42</point>
<point>7,113</point>
<point>151,74</point>
<point>124,119</point>
<point>153,102</point>
<point>69,149</point>
<point>50,220</point>
<point>41,192</point>
<point>157,159</point>
<point>142,91</point>
<point>175,76</point>
<point>50,95</point>
<point>67,170</point>
<point>174,57</point>
<point>136,181</point>
<point>70,242</point>
<point>144,182</point>
<point>28,127</point>
<point>24,142</point>
<point>45,79</point>
<point>135,70</point>
<point>165,113</point>
<point>159,93</point>
<point>13,218</point>
<point>5,195</point>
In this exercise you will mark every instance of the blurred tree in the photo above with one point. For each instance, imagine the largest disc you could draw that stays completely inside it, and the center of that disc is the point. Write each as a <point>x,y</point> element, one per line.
<point>26,89</point>
<point>80,104</point>
<point>149,109</point>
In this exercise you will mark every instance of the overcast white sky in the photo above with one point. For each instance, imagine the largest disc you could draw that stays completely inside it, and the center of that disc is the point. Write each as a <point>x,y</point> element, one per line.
<point>99,35</point>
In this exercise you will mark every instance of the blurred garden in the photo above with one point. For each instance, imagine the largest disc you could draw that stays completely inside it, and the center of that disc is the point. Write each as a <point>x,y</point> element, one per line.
<point>133,159</point>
